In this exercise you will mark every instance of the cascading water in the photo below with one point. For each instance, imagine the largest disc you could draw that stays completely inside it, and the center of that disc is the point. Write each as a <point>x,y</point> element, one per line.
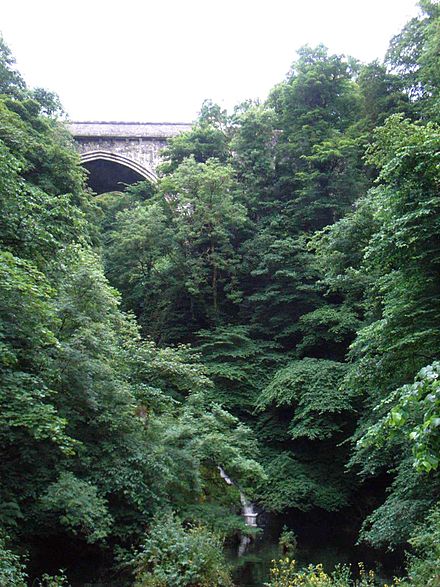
<point>247,508</point>
<point>224,476</point>
<point>248,512</point>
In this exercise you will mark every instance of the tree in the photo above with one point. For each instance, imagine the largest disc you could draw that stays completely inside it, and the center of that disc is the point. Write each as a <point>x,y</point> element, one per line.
<point>312,172</point>
<point>207,139</point>
<point>87,452</point>
<point>413,55</point>
<point>206,219</point>
<point>402,309</point>
<point>11,81</point>
<point>305,418</point>
<point>382,94</point>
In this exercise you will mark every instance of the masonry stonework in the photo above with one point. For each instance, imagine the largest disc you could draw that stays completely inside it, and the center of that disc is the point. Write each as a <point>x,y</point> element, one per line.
<point>133,144</point>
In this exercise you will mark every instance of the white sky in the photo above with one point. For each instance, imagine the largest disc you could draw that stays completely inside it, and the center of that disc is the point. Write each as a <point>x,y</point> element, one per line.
<point>145,60</point>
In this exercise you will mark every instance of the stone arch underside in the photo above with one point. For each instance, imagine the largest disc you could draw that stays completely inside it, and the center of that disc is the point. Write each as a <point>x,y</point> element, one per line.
<point>111,171</point>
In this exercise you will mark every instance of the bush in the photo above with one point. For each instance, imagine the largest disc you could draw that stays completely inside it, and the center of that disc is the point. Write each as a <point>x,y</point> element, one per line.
<point>175,556</point>
<point>53,580</point>
<point>78,507</point>
<point>424,566</point>
<point>285,574</point>
<point>288,541</point>
<point>12,569</point>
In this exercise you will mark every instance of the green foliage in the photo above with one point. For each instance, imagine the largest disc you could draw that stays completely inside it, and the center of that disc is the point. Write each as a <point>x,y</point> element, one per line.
<point>303,483</point>
<point>178,251</point>
<point>205,216</point>
<point>415,410</point>
<point>279,288</point>
<point>413,54</point>
<point>140,263</point>
<point>238,364</point>
<point>424,565</point>
<point>207,139</point>
<point>78,507</point>
<point>222,518</point>
<point>99,428</point>
<point>288,541</point>
<point>175,556</point>
<point>306,412</point>
<point>402,254</point>
<point>212,437</point>
<point>53,580</point>
<point>311,301</point>
<point>114,202</point>
<point>400,264</point>
<point>330,325</point>
<point>284,573</point>
<point>27,325</point>
<point>253,147</point>
<point>12,568</point>
<point>11,81</point>
<point>49,102</point>
<point>312,388</point>
<point>339,251</point>
<point>311,172</point>
<point>382,94</point>
<point>318,160</point>
<point>409,499</point>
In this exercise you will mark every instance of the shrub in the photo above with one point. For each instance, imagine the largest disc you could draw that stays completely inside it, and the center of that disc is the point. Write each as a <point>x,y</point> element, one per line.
<point>53,580</point>
<point>175,556</point>
<point>288,541</point>
<point>12,569</point>
<point>284,573</point>
<point>424,566</point>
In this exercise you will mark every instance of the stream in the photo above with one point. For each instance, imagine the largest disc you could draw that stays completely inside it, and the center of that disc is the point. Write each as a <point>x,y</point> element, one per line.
<point>252,568</point>
<point>321,537</point>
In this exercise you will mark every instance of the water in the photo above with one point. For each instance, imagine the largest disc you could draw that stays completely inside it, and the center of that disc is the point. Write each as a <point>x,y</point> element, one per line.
<point>321,540</point>
<point>251,561</point>
<point>252,568</point>
<point>224,476</point>
<point>248,510</point>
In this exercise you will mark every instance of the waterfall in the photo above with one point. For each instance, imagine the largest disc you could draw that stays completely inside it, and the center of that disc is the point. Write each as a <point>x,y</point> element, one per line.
<point>224,476</point>
<point>248,511</point>
<point>247,508</point>
<point>244,543</point>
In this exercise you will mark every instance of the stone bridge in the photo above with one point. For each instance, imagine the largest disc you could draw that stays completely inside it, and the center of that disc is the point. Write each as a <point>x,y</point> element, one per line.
<point>119,153</point>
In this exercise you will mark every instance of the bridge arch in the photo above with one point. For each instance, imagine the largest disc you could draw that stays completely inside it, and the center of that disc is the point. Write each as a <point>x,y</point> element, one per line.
<point>117,153</point>
<point>110,171</point>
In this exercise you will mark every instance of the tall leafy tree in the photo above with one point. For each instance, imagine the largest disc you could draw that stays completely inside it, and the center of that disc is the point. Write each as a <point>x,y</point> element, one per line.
<point>206,218</point>
<point>413,54</point>
<point>99,429</point>
<point>207,139</point>
<point>316,175</point>
<point>392,268</point>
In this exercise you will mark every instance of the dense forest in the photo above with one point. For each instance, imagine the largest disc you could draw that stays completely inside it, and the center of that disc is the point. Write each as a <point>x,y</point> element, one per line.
<point>269,310</point>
